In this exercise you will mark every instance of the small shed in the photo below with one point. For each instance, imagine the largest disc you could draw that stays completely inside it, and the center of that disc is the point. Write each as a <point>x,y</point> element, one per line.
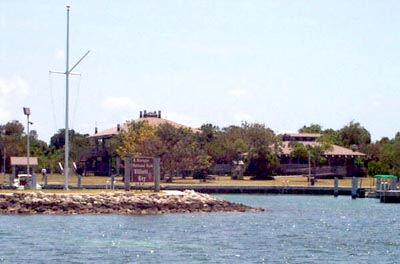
<point>23,161</point>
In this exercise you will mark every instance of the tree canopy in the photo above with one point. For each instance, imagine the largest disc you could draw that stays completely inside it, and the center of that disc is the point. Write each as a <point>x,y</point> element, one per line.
<point>182,151</point>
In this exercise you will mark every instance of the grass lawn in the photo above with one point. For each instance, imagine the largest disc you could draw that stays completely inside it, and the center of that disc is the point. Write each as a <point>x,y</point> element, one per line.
<point>278,181</point>
<point>220,180</point>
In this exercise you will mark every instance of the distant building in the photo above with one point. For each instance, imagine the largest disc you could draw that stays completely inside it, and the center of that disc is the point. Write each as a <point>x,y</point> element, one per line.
<point>153,118</point>
<point>340,160</point>
<point>98,161</point>
<point>300,137</point>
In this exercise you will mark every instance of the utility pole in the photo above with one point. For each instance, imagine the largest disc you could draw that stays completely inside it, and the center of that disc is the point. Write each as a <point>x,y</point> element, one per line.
<point>67,73</point>
<point>27,112</point>
<point>27,149</point>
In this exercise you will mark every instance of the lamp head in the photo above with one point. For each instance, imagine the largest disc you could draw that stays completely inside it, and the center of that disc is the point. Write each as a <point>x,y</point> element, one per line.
<point>27,111</point>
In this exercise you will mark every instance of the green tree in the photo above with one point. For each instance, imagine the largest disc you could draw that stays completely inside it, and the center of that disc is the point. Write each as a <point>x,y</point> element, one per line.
<point>56,150</point>
<point>138,139</point>
<point>397,136</point>
<point>263,161</point>
<point>299,151</point>
<point>330,136</point>
<point>174,149</point>
<point>390,156</point>
<point>39,149</point>
<point>355,134</point>
<point>315,153</point>
<point>377,167</point>
<point>13,141</point>
<point>313,128</point>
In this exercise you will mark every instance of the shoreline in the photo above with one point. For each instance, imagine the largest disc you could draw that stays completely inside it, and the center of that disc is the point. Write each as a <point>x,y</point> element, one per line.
<point>116,203</point>
<point>222,189</point>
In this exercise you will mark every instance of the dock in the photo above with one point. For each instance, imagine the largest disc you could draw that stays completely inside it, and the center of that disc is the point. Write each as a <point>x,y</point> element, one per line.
<point>388,196</point>
<point>300,190</point>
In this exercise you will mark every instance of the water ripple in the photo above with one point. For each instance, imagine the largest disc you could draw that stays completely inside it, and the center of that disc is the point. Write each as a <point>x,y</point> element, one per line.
<point>294,229</point>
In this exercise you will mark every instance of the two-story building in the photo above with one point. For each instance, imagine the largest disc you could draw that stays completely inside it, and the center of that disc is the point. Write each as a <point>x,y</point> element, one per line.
<point>339,160</point>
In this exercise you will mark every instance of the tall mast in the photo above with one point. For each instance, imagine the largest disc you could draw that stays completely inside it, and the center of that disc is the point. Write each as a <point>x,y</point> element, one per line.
<point>66,157</point>
<point>68,72</point>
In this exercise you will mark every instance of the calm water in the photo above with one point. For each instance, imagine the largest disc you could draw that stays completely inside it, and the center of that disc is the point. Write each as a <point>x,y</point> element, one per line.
<point>295,229</point>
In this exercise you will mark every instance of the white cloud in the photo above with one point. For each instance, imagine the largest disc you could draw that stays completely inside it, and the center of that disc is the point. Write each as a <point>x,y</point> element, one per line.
<point>11,88</point>
<point>181,119</point>
<point>376,103</point>
<point>239,117</point>
<point>16,85</point>
<point>237,92</point>
<point>4,114</point>
<point>59,54</point>
<point>119,103</point>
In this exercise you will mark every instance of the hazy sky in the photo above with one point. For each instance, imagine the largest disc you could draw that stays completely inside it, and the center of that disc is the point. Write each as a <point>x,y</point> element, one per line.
<point>282,63</point>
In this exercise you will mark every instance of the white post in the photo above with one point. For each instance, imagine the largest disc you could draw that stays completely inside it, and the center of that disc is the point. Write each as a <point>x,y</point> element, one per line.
<point>45,179</point>
<point>66,157</point>
<point>12,176</point>
<point>127,175</point>
<point>156,173</point>
<point>79,181</point>
<point>309,168</point>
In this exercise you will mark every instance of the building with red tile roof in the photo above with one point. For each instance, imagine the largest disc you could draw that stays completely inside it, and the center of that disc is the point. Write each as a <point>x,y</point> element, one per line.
<point>340,160</point>
<point>153,118</point>
<point>97,160</point>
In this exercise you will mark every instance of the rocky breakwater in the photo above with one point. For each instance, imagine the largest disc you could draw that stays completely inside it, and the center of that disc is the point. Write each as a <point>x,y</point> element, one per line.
<point>116,203</point>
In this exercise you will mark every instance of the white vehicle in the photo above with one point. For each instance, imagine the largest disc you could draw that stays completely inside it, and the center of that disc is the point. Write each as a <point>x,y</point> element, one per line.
<point>23,180</point>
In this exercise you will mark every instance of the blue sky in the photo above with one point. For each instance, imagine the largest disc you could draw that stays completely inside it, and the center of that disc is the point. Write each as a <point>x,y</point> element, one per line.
<point>281,63</point>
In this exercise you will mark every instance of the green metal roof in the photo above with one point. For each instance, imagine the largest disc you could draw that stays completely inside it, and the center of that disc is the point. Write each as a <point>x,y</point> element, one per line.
<point>383,176</point>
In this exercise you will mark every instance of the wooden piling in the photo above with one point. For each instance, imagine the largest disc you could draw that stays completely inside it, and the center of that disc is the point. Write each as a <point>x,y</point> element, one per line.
<point>156,168</point>
<point>354,188</point>
<point>336,187</point>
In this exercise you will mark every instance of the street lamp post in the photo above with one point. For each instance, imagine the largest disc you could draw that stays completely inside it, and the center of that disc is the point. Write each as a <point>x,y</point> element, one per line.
<point>27,112</point>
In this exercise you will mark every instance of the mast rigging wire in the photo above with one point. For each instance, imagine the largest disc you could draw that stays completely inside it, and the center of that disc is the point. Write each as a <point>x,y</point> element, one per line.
<point>52,102</point>
<point>76,102</point>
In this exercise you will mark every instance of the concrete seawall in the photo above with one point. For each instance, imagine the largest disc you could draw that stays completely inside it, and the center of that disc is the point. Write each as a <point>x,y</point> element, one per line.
<point>300,190</point>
